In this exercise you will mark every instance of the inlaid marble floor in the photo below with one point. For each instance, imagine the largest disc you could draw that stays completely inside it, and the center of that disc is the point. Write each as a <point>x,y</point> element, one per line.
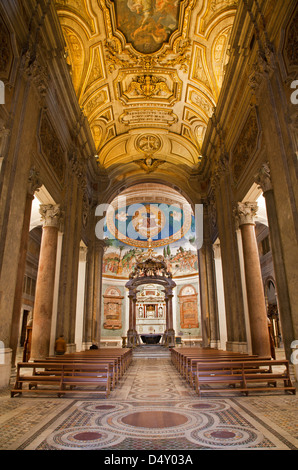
<point>151,409</point>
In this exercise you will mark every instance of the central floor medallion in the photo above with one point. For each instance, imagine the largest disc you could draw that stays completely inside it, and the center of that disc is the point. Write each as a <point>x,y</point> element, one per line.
<point>155,419</point>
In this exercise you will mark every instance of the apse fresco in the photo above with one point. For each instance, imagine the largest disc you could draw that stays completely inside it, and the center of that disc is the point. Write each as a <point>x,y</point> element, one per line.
<point>131,230</point>
<point>147,24</point>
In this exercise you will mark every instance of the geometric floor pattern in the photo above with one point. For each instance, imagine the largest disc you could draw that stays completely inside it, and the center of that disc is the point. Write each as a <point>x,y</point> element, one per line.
<point>151,409</point>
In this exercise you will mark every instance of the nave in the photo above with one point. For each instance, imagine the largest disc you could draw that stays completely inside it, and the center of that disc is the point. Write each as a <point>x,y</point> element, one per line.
<point>152,408</point>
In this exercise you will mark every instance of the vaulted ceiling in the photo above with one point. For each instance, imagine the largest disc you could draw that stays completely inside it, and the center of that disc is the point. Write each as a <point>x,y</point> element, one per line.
<point>147,74</point>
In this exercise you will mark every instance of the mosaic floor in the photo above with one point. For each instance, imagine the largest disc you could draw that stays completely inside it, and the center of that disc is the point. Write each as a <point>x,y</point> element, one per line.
<point>151,409</point>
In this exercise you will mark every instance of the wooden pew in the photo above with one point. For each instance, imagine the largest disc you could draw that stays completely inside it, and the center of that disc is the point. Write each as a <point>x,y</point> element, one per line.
<point>63,375</point>
<point>191,366</point>
<point>102,366</point>
<point>114,369</point>
<point>123,357</point>
<point>243,376</point>
<point>185,358</point>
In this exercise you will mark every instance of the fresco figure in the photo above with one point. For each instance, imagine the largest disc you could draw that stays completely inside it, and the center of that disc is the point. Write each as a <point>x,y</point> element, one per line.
<point>141,7</point>
<point>147,24</point>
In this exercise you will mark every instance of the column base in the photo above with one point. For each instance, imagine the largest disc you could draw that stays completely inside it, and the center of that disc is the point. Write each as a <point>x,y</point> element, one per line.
<point>132,339</point>
<point>5,367</point>
<point>169,338</point>
<point>71,348</point>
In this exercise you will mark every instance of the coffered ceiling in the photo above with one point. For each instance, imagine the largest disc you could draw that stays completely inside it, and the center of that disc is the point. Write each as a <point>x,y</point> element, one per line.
<point>147,74</point>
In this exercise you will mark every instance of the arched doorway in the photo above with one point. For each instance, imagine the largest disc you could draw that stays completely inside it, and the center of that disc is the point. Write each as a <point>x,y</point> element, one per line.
<point>150,270</point>
<point>150,313</point>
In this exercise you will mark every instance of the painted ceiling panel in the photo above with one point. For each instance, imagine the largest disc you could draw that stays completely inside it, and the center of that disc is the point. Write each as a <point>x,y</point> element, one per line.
<point>147,67</point>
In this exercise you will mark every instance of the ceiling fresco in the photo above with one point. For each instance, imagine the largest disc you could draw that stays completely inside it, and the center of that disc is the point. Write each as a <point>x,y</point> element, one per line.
<point>147,24</point>
<point>147,67</point>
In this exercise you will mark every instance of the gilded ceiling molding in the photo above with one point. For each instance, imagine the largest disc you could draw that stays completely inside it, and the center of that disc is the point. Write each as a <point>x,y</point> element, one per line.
<point>122,53</point>
<point>149,86</point>
<point>134,85</point>
<point>77,9</point>
<point>75,55</point>
<point>170,84</point>
<point>150,116</point>
<point>149,164</point>
<point>214,8</point>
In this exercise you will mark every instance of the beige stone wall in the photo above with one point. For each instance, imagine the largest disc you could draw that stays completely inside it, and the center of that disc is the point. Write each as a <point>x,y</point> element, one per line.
<point>41,127</point>
<point>250,126</point>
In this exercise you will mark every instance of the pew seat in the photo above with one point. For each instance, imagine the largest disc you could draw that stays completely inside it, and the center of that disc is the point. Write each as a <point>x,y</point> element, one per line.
<point>243,376</point>
<point>63,378</point>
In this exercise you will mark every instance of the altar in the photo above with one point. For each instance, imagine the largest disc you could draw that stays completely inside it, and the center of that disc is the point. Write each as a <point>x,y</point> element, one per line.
<point>151,338</point>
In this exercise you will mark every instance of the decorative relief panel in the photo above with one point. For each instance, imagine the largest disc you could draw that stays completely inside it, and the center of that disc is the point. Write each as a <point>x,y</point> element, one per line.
<point>164,86</point>
<point>95,70</point>
<point>220,56</point>
<point>188,299</point>
<point>137,117</point>
<point>79,7</point>
<point>215,7</point>
<point>200,101</point>
<point>6,55</point>
<point>112,300</point>
<point>76,55</point>
<point>148,143</point>
<point>95,102</point>
<point>97,134</point>
<point>245,146</point>
<point>196,126</point>
<point>199,71</point>
<point>51,147</point>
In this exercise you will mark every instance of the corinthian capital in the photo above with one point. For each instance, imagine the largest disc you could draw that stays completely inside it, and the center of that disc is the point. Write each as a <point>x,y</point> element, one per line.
<point>245,212</point>
<point>51,215</point>
<point>263,178</point>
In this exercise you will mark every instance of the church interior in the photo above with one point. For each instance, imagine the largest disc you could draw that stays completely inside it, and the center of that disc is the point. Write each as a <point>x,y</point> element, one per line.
<point>148,225</point>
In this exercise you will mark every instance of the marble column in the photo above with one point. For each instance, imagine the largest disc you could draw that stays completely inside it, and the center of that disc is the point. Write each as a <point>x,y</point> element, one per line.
<point>81,298</point>
<point>204,298</point>
<point>33,185</point>
<point>263,179</point>
<point>212,297</point>
<point>97,294</point>
<point>209,311</point>
<point>220,296</point>
<point>245,213</point>
<point>43,307</point>
<point>88,317</point>
<point>170,332</point>
<point>131,333</point>
<point>136,336</point>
